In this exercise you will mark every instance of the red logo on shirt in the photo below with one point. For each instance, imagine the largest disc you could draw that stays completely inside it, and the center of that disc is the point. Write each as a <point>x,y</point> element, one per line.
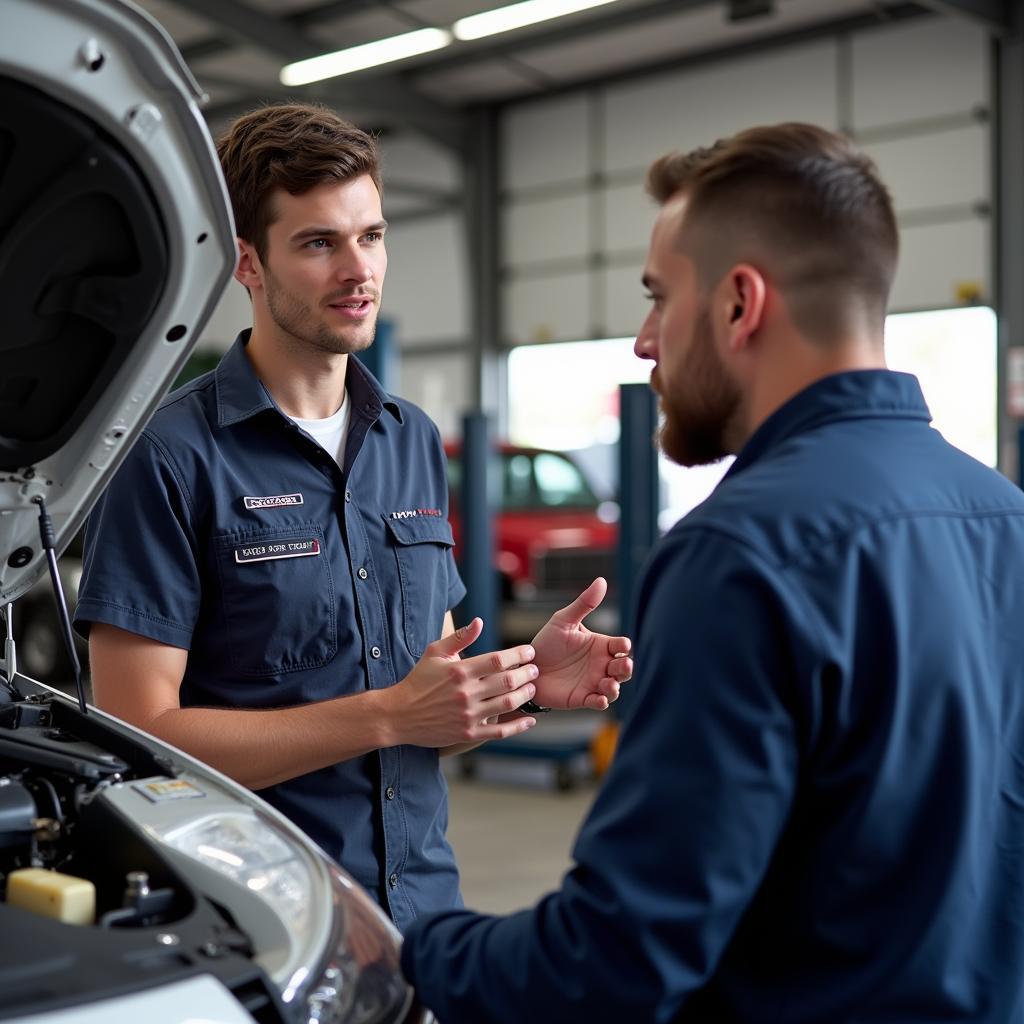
<point>412,513</point>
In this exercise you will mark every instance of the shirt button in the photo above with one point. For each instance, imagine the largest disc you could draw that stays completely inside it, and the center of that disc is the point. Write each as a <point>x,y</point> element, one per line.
<point>393,880</point>
<point>390,792</point>
<point>374,652</point>
<point>348,495</point>
<point>363,573</point>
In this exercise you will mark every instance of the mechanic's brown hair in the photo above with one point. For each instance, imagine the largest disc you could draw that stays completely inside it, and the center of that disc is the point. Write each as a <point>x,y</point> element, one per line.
<point>292,146</point>
<point>800,203</point>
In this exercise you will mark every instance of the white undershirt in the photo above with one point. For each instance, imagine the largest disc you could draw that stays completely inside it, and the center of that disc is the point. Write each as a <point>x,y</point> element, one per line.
<point>330,433</point>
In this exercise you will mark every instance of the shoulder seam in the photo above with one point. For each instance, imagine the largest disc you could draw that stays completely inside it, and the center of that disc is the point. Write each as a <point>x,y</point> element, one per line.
<point>165,453</point>
<point>187,390</point>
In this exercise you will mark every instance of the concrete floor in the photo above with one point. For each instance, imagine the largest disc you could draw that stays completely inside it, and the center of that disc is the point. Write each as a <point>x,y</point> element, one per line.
<point>513,837</point>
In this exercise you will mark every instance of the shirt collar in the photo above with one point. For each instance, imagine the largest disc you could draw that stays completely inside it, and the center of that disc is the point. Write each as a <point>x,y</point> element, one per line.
<point>857,394</point>
<point>241,394</point>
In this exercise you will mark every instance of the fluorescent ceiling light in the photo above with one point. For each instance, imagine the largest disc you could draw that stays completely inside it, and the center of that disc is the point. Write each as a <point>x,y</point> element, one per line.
<point>489,23</point>
<point>369,55</point>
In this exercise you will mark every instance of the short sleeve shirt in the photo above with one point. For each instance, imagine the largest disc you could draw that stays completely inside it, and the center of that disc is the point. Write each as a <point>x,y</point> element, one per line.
<point>229,532</point>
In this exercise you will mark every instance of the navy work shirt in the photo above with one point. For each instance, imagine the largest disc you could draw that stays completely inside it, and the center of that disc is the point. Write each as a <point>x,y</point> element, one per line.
<point>816,811</point>
<point>231,533</point>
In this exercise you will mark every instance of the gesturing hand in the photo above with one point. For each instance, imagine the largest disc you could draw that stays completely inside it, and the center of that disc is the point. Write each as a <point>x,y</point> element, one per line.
<point>578,668</point>
<point>447,700</point>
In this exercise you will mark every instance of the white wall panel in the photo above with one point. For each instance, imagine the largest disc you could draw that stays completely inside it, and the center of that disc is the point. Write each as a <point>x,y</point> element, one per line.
<point>425,291</point>
<point>944,169</point>
<point>629,214</point>
<point>544,143</point>
<point>935,260</point>
<point>624,304</point>
<point>552,308</point>
<point>439,384</point>
<point>536,230</point>
<point>916,71</point>
<point>413,158</point>
<point>682,110</point>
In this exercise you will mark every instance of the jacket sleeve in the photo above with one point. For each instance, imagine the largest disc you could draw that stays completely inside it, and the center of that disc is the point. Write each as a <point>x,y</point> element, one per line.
<point>682,831</point>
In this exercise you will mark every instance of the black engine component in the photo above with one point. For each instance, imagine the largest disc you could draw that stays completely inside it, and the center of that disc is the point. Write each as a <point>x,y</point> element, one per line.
<point>17,814</point>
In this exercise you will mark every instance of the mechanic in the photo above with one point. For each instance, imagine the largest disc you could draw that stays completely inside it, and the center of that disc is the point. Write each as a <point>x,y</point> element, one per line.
<point>268,581</point>
<point>816,812</point>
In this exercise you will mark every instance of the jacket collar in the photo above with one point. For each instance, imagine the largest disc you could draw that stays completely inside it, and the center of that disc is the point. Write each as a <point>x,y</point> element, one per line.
<point>857,394</point>
<point>242,395</point>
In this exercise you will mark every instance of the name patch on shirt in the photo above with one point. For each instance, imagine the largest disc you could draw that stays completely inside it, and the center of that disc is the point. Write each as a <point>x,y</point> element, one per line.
<point>277,549</point>
<point>273,501</point>
<point>414,513</point>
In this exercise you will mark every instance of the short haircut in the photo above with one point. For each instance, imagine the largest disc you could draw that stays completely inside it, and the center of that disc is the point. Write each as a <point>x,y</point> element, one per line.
<point>800,203</point>
<point>290,146</point>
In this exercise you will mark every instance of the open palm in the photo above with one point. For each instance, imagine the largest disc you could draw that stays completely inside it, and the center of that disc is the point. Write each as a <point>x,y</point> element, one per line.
<point>578,668</point>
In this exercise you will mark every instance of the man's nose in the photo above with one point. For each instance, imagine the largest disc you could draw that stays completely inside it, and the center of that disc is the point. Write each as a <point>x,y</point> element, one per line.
<point>355,266</point>
<point>644,347</point>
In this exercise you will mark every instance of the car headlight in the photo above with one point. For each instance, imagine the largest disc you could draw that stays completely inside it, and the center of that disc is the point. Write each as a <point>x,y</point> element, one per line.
<point>342,959</point>
<point>254,855</point>
<point>360,980</point>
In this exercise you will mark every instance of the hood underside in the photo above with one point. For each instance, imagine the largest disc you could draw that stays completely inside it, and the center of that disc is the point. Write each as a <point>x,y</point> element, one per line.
<point>116,241</point>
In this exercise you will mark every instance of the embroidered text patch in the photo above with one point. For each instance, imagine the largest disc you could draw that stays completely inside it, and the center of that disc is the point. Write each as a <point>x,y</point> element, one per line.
<point>273,501</point>
<point>277,549</point>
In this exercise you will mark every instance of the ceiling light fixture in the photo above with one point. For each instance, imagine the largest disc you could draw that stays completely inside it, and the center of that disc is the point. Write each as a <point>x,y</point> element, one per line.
<point>503,19</point>
<point>368,55</point>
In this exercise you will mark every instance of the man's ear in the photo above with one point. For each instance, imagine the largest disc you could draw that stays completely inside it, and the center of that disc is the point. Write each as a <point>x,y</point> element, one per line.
<point>249,271</point>
<point>742,301</point>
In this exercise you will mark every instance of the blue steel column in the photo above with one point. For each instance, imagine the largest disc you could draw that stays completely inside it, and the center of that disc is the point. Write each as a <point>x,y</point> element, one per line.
<point>638,502</point>
<point>477,511</point>
<point>1008,223</point>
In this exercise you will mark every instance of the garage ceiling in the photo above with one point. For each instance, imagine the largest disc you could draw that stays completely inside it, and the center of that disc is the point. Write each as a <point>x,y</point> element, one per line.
<point>236,48</point>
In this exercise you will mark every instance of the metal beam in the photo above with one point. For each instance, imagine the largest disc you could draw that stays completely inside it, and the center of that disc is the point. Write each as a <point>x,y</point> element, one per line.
<point>995,15</point>
<point>1008,144</point>
<point>250,25</point>
<point>386,97</point>
<point>296,19</point>
<point>483,227</point>
<point>361,101</point>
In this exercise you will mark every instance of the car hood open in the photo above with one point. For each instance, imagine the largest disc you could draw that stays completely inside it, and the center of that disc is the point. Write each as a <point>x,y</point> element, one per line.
<point>116,241</point>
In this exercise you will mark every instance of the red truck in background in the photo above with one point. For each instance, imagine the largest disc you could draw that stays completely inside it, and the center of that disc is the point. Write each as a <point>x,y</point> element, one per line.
<point>553,534</point>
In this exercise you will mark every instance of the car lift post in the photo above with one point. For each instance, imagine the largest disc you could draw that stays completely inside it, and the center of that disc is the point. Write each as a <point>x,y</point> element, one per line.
<point>638,504</point>
<point>476,497</point>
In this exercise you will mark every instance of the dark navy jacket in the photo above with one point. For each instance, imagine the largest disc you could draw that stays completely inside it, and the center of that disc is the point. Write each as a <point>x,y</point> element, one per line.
<point>231,533</point>
<point>816,812</point>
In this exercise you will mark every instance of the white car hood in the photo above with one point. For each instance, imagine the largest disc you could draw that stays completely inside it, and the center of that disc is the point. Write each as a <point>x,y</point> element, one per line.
<point>116,241</point>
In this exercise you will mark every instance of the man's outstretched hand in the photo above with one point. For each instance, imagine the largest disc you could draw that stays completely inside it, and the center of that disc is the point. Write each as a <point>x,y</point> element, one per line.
<point>578,668</point>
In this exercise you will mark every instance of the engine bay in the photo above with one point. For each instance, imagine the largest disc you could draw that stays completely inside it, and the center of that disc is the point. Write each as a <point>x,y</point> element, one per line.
<point>59,833</point>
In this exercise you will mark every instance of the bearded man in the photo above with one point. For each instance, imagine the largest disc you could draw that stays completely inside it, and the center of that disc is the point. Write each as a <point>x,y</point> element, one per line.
<point>816,810</point>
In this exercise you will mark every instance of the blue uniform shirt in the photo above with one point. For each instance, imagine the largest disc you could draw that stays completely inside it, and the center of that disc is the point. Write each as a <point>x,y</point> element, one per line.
<point>231,533</point>
<point>816,811</point>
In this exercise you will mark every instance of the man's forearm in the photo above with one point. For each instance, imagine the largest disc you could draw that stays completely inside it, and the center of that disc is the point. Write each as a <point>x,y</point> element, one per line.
<point>262,748</point>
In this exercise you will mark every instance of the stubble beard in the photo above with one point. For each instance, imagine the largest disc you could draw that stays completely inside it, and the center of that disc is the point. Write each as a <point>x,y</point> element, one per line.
<point>695,423</point>
<point>298,320</point>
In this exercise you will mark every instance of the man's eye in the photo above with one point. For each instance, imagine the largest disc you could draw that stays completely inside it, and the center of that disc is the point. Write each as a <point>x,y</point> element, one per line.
<point>316,243</point>
<point>373,236</point>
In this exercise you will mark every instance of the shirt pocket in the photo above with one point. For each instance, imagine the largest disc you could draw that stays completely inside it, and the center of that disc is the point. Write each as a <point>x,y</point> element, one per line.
<point>277,595</point>
<point>422,545</point>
